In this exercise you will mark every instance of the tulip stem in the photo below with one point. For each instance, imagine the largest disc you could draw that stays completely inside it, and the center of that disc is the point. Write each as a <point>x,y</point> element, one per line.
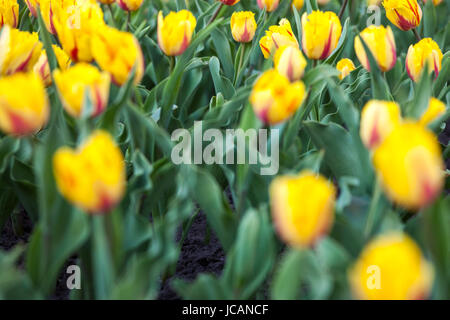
<point>128,20</point>
<point>241,59</point>
<point>171,64</point>
<point>215,14</point>
<point>373,209</point>
<point>416,34</point>
<point>314,63</point>
<point>341,12</point>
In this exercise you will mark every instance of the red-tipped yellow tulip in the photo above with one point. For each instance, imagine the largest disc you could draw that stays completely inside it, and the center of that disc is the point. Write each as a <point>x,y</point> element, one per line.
<point>243,26</point>
<point>24,107</point>
<point>9,13</point>
<point>277,36</point>
<point>409,163</point>
<point>55,12</point>
<point>391,267</point>
<point>405,14</point>
<point>129,5</point>
<point>79,81</point>
<point>320,34</point>
<point>381,43</point>
<point>229,2</point>
<point>302,208</point>
<point>269,5</point>
<point>107,1</point>
<point>274,98</point>
<point>289,61</point>
<point>43,69</point>
<point>345,66</point>
<point>378,119</point>
<point>93,176</point>
<point>435,109</point>
<point>424,51</point>
<point>298,4</point>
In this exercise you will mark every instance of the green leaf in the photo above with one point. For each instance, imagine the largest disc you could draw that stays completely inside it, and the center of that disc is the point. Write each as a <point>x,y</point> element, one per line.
<point>223,50</point>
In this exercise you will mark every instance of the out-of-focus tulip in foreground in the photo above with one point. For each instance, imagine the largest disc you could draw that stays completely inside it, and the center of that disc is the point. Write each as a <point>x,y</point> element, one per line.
<point>289,61</point>
<point>9,13</point>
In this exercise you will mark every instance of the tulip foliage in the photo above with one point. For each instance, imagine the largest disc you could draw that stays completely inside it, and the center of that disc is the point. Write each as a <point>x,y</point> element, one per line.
<point>92,94</point>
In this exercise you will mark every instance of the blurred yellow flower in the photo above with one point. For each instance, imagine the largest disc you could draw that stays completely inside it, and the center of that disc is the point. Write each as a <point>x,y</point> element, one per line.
<point>72,84</point>
<point>269,5</point>
<point>274,98</point>
<point>345,66</point>
<point>435,2</point>
<point>277,36</point>
<point>24,107</point>
<point>405,14</point>
<point>298,4</point>
<point>302,207</point>
<point>243,26</point>
<point>129,5</point>
<point>320,34</point>
<point>373,2</point>
<point>175,31</point>
<point>322,2</point>
<point>435,109</point>
<point>290,62</point>
<point>9,13</point>
<point>93,176</point>
<point>381,43</point>
<point>391,267</point>
<point>424,51</point>
<point>107,1</point>
<point>42,67</point>
<point>409,163</point>
<point>54,12</point>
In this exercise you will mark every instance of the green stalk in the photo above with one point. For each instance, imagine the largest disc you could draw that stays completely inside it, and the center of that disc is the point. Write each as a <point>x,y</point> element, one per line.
<point>376,196</point>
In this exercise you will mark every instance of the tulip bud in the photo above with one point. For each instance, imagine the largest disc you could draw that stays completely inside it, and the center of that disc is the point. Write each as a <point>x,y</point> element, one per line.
<point>378,119</point>
<point>175,31</point>
<point>269,5</point>
<point>436,108</point>
<point>129,5</point>
<point>289,62</point>
<point>409,163</point>
<point>274,98</point>
<point>321,33</point>
<point>43,69</point>
<point>302,208</point>
<point>405,14</point>
<point>93,176</point>
<point>391,267</point>
<point>345,66</point>
<point>9,13</point>
<point>24,107</point>
<point>19,50</point>
<point>73,82</point>
<point>381,43</point>
<point>229,2</point>
<point>298,4</point>
<point>117,52</point>
<point>243,26</point>
<point>424,51</point>
<point>277,36</point>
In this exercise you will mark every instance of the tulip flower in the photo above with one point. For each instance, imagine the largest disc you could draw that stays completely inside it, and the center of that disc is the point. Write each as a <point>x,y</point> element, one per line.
<point>321,33</point>
<point>19,50</point>
<point>269,5</point>
<point>55,12</point>
<point>381,43</point>
<point>298,4</point>
<point>229,2</point>
<point>435,2</point>
<point>302,208</point>
<point>117,52</point>
<point>391,267</point>
<point>277,36</point>
<point>107,1</point>
<point>409,163</point>
<point>73,83</point>
<point>345,66</point>
<point>289,61</point>
<point>404,14</point>
<point>274,98</point>
<point>9,13</point>
<point>93,176</point>
<point>175,31</point>
<point>24,107</point>
<point>424,51</point>
<point>378,119</point>
<point>129,5</point>
<point>435,109</point>
<point>243,26</point>
<point>43,69</point>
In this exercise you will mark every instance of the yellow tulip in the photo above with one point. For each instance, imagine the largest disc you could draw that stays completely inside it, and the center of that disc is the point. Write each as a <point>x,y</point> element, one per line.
<point>129,5</point>
<point>9,13</point>
<point>373,2</point>
<point>320,34</point>
<point>117,52</point>
<point>435,109</point>
<point>54,12</point>
<point>43,69</point>
<point>107,1</point>
<point>175,31</point>
<point>302,207</point>
<point>32,6</point>
<point>229,2</point>
<point>243,26</point>
<point>274,98</point>
<point>24,107</point>
<point>424,51</point>
<point>73,83</point>
<point>378,119</point>
<point>277,36</point>
<point>391,267</point>
<point>405,14</point>
<point>19,50</point>
<point>93,176</point>
<point>269,5</point>
<point>345,66</point>
<point>409,163</point>
<point>289,61</point>
<point>298,4</point>
<point>381,43</point>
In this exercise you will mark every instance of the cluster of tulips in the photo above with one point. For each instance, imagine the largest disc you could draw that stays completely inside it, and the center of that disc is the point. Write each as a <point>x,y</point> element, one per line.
<point>88,58</point>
